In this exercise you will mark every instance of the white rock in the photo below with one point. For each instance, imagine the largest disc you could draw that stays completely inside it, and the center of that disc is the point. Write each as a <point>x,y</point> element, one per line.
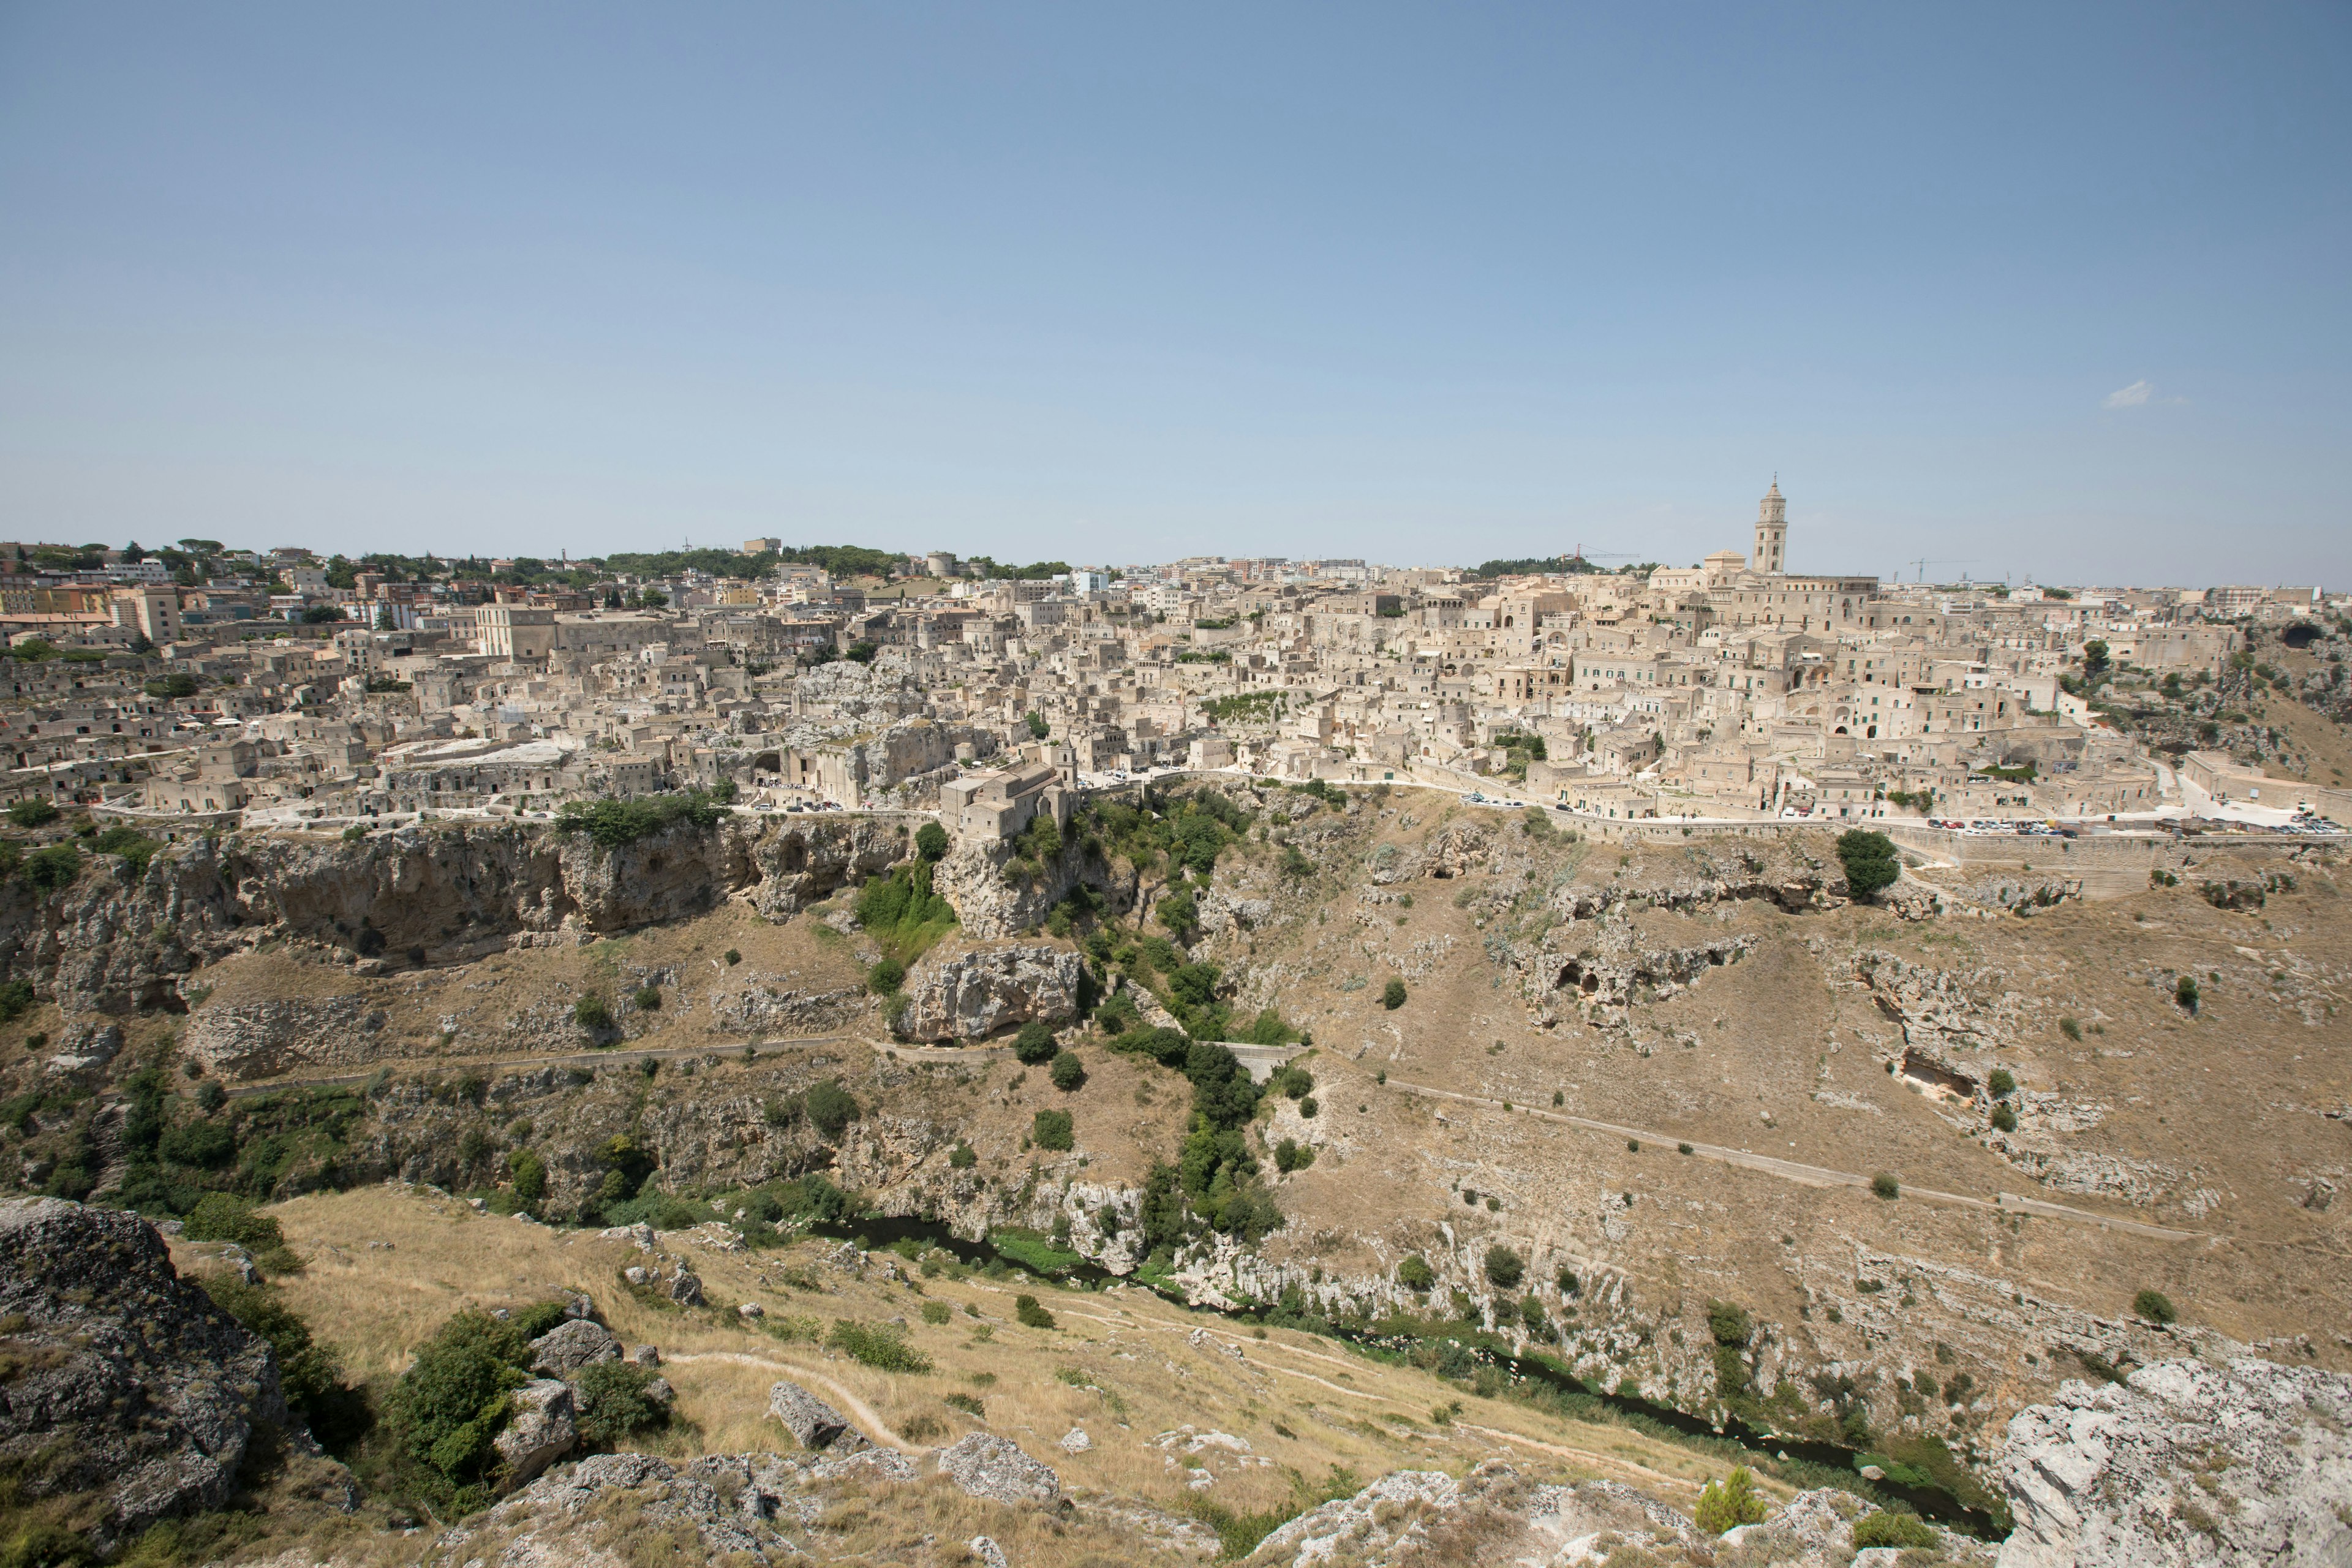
<point>1076,1441</point>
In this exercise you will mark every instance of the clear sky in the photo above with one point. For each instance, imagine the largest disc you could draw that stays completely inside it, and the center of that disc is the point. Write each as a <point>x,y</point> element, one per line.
<point>2047,291</point>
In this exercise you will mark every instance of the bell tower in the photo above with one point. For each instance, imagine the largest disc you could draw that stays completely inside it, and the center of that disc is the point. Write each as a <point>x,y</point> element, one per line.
<point>1771,533</point>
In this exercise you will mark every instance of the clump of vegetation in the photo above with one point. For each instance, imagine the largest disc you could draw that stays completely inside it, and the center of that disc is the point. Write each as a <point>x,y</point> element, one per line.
<point>612,824</point>
<point>1051,1129</point>
<point>881,1346</point>
<point>1392,995</point>
<point>648,999</point>
<point>2004,1118</point>
<point>885,978</point>
<point>2184,992</point>
<point>932,841</point>
<point>1505,1267</point>
<point>2154,1307</point>
<point>830,1108</point>
<point>2070,1027</point>
<point>1030,1314</point>
<point>1885,1186</point>
<point>32,812</point>
<point>1869,860</point>
<point>902,913</point>
<point>592,1014</point>
<point>450,1405</point>
<point>1068,1073</point>
<point>1904,1531</point>
<point>2000,1083</point>
<point>1035,1046</point>
<point>613,1405</point>
<point>1415,1273</point>
<point>1292,1155</point>
<point>1730,1503</point>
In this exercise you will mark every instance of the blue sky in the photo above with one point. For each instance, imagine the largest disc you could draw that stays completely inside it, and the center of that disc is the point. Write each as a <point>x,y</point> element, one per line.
<point>2035,290</point>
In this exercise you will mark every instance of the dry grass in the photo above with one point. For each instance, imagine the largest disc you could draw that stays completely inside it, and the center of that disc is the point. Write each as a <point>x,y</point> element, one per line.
<point>1121,1366</point>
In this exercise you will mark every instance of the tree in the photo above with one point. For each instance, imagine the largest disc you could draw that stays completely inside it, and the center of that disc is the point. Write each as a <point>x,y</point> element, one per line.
<point>2154,1307</point>
<point>1067,1072</point>
<point>1504,1268</point>
<point>886,977</point>
<point>1869,860</point>
<point>1885,1186</point>
<point>1415,1273</point>
<point>1034,1046</point>
<point>319,614</point>
<point>1180,914</point>
<point>831,1107</point>
<point>932,841</point>
<point>1051,1129</point>
<point>1392,995</point>
<point>1730,1503</point>
<point>2095,658</point>
<point>529,1172</point>
<point>1036,722</point>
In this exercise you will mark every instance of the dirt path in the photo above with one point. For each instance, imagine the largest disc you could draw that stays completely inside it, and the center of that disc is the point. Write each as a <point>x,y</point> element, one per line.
<point>1812,1175</point>
<point>625,1054</point>
<point>857,1409</point>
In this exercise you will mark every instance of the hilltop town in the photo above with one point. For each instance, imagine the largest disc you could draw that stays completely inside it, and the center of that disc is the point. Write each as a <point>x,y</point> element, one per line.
<point>203,687</point>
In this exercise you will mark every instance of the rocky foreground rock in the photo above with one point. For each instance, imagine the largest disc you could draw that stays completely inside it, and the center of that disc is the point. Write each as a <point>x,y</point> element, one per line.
<point>122,1386</point>
<point>2184,1464</point>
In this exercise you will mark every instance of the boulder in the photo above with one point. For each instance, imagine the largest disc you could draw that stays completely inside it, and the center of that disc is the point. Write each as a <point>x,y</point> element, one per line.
<point>2183,1463</point>
<point>541,1429</point>
<point>644,1355</point>
<point>974,994</point>
<point>684,1287</point>
<point>987,1553</point>
<point>127,1384</point>
<point>563,1350</point>
<point>990,1466</point>
<point>813,1423</point>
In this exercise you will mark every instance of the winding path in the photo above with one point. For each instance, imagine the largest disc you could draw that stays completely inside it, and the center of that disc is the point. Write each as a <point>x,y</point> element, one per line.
<point>1811,1175</point>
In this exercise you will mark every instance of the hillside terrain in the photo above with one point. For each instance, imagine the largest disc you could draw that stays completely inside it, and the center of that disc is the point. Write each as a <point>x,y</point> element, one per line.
<point>1482,1141</point>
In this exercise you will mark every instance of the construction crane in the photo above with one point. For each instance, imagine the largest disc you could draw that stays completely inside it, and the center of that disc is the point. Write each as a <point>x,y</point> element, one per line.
<point>1921,565</point>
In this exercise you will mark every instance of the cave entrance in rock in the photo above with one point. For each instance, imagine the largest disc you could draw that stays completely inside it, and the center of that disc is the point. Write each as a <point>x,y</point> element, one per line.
<point>1574,974</point>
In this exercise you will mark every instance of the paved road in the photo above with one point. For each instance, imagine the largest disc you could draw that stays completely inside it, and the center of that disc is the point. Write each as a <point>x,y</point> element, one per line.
<point>1813,1175</point>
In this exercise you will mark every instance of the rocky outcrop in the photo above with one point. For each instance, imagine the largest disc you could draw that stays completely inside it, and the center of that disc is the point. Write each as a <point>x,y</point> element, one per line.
<point>541,1428</point>
<point>814,1424</point>
<point>120,939</point>
<point>992,902</point>
<point>1495,1514</point>
<point>972,993</point>
<point>563,1351</point>
<point>764,1009</point>
<point>263,1039</point>
<point>987,1466</point>
<point>2185,1463</point>
<point>580,1517</point>
<point>124,1384</point>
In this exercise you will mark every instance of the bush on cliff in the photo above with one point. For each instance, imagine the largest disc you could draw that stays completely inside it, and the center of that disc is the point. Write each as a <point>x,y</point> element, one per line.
<point>612,824</point>
<point>902,913</point>
<point>1869,860</point>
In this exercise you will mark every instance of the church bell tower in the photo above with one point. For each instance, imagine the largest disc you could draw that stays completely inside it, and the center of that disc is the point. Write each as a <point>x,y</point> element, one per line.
<point>1771,533</point>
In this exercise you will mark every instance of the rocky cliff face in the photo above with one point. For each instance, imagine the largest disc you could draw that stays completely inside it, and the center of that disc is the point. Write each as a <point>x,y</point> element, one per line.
<point>127,1392</point>
<point>116,941</point>
<point>2186,1463</point>
<point>990,904</point>
<point>971,995</point>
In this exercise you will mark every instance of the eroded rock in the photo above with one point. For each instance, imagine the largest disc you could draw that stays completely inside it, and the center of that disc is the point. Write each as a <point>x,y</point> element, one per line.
<point>987,1466</point>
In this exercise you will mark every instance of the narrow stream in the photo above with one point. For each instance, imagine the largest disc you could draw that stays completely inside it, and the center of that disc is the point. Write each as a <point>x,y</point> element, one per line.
<point>1931,1502</point>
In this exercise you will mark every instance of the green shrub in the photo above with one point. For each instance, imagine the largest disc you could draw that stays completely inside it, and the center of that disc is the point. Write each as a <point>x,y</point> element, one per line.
<point>831,1107</point>
<point>2154,1307</point>
<point>1730,1503</point>
<point>1729,1323</point>
<point>1291,1156</point>
<point>1051,1129</point>
<point>32,813</point>
<point>932,841</point>
<point>2071,1028</point>
<point>1032,1251</point>
<point>59,866</point>
<point>2184,991</point>
<point>450,1403</point>
<point>1568,1282</point>
<point>935,1313</point>
<point>17,999</point>
<point>1035,1045</point>
<point>1392,995</point>
<point>881,1346</point>
<point>734,957</point>
<point>1415,1273</point>
<point>611,1402</point>
<point>2004,1118</point>
<point>221,1216</point>
<point>611,824</point>
<point>648,999</point>
<point>886,977</point>
<point>530,1174</point>
<point>1504,1268</point>
<point>963,1157</point>
<point>1869,860</point>
<point>207,1145</point>
<point>591,1015</point>
<point>1532,1314</point>
<point>1885,1186</point>
<point>2000,1083</point>
<point>1293,1082</point>
<point>135,847</point>
<point>1068,1072</point>
<point>1901,1531</point>
<point>1030,1315</point>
